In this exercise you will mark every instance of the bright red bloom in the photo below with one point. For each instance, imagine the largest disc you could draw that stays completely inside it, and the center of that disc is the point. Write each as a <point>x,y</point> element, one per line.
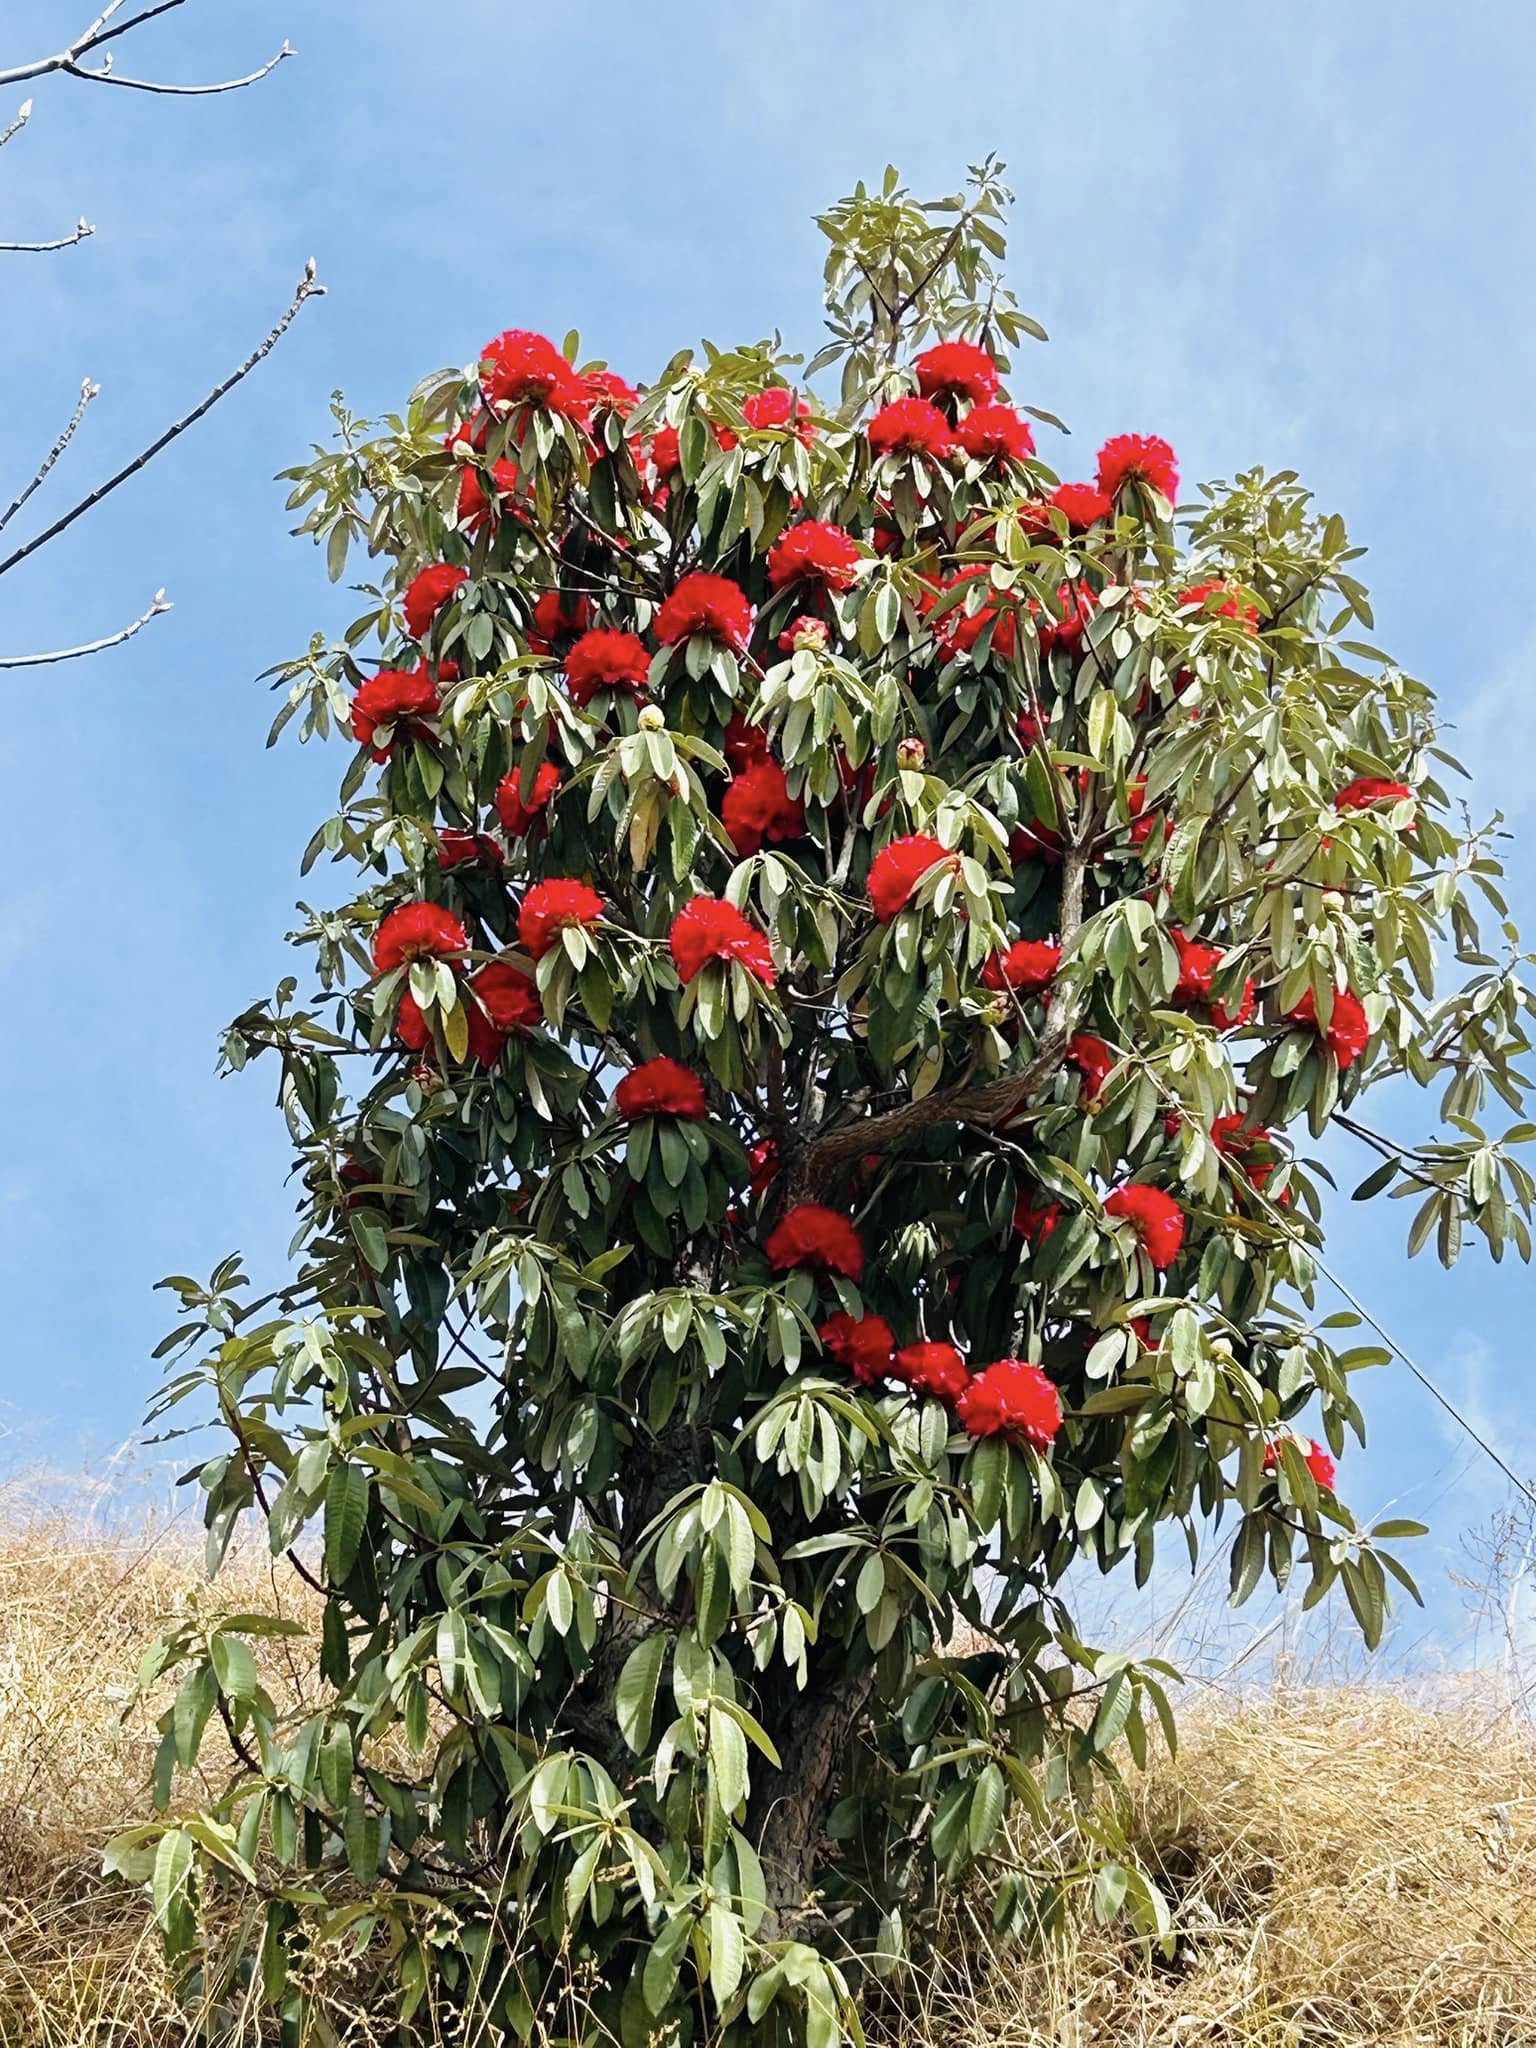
<point>605,660</point>
<point>392,697</point>
<point>1035,841</point>
<point>417,931</point>
<point>1348,1033</point>
<point>992,431</point>
<point>813,1236</point>
<point>958,630</point>
<point>606,391</point>
<point>1233,1020</point>
<point>1011,1398</point>
<point>516,812</point>
<point>426,594</point>
<point>474,507</point>
<point>1077,603</point>
<point>1236,1142</point>
<point>519,368</point>
<point>757,808</point>
<point>1036,1225</point>
<point>909,426</point>
<point>896,870</point>
<point>1028,966</point>
<point>1367,790</point>
<point>1094,1060</point>
<point>936,1369</point>
<point>762,1165</point>
<point>1197,964</point>
<point>804,634</point>
<point>863,1344</point>
<point>473,433</point>
<point>1230,607</point>
<point>743,743</point>
<point>1318,1462</point>
<point>957,369</point>
<point>712,605</point>
<point>1083,504</point>
<point>1139,458</point>
<point>552,907</point>
<point>709,929</point>
<point>502,1000</point>
<point>456,848</point>
<point>1031,732</point>
<point>814,552</point>
<point>664,453</point>
<point>776,407</point>
<point>661,1087</point>
<point>1156,1218</point>
<point>555,618</point>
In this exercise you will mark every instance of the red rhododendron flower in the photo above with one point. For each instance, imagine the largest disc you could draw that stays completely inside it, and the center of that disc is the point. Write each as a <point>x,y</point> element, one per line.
<point>392,697</point>
<point>1197,964</point>
<point>411,1027</point>
<point>426,594</point>
<point>1237,1142</point>
<point>1011,1398</point>
<point>992,431</point>
<point>417,931</point>
<point>1367,790</point>
<point>936,1369</point>
<point>812,1236</point>
<point>1031,732</point>
<point>1138,458</point>
<point>805,634</point>
<point>957,369</point>
<point>1028,966</point>
<point>661,1087</point>
<point>557,617</point>
<point>1077,604</point>
<point>1083,505</point>
<point>814,552</point>
<point>744,743</point>
<point>664,453</point>
<point>1348,1033</point>
<point>517,812</point>
<point>519,368</point>
<point>473,434</point>
<point>1233,1020</point>
<point>474,507</point>
<point>1035,1224</point>
<point>863,1344</point>
<point>552,907</point>
<point>1230,607</point>
<point>456,849</point>
<point>762,1165</point>
<point>1318,1462</point>
<point>757,808</point>
<point>709,929</point>
<point>896,870</point>
<point>606,391</point>
<point>958,630</point>
<point>1156,1218</point>
<point>909,426</point>
<point>605,660</point>
<point>1094,1060</point>
<point>712,605</point>
<point>502,1000</point>
<point>1035,841</point>
<point>775,407</point>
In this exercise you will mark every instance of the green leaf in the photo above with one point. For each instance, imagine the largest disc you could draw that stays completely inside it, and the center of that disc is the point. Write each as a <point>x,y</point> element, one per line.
<point>634,1699</point>
<point>346,1511</point>
<point>233,1666</point>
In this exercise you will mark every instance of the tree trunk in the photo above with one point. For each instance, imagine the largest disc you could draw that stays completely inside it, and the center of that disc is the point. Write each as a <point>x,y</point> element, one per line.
<point>793,1802</point>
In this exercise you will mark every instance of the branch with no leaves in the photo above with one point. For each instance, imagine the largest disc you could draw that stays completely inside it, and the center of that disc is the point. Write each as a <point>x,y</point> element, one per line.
<point>100,32</point>
<point>23,116</point>
<point>82,229</point>
<point>308,289</point>
<point>160,604</point>
<point>88,391</point>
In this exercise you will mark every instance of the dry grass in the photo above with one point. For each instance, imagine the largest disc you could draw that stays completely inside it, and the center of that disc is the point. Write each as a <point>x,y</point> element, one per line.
<point>1347,1866</point>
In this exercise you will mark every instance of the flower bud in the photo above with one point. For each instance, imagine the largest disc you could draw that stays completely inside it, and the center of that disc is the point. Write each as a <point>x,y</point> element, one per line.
<point>911,754</point>
<point>1332,900</point>
<point>804,635</point>
<point>652,718</point>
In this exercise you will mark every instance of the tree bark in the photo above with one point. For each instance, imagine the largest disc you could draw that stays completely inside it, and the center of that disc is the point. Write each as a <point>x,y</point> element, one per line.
<point>794,1800</point>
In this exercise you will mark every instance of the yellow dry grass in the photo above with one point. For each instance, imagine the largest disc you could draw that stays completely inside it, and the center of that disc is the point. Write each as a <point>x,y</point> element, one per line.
<point>1347,1866</point>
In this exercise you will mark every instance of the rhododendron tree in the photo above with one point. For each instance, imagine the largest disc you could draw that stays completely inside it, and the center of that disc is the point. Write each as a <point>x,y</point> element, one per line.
<point>703,1381</point>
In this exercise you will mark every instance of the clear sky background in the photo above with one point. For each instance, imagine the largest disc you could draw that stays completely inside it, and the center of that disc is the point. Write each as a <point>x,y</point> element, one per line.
<point>1301,236</point>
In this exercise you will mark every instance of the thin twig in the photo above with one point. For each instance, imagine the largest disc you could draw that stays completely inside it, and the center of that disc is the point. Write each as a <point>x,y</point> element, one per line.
<point>88,391</point>
<point>107,76</point>
<point>82,231</point>
<point>159,605</point>
<point>23,116</point>
<point>307,289</point>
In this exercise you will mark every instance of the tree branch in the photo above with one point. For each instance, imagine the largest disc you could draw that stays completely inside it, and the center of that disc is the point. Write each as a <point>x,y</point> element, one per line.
<point>107,76</point>
<point>23,116</point>
<point>307,289</point>
<point>82,230</point>
<point>158,606</point>
<point>88,391</point>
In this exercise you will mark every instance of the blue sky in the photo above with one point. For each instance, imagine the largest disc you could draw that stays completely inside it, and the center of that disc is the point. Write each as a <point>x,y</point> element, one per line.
<point>1301,236</point>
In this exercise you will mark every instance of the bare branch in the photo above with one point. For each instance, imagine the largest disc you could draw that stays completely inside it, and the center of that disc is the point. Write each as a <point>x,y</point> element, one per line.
<point>88,391</point>
<point>23,116</point>
<point>83,228</point>
<point>308,289</point>
<point>99,33</point>
<point>159,605</point>
<point>105,75</point>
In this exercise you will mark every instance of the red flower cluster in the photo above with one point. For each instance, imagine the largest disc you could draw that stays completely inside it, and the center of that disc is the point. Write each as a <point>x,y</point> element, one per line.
<point>661,1087</point>
<point>778,406</point>
<point>1094,1060</point>
<point>863,1344</point>
<point>762,1165</point>
<point>605,660</point>
<point>552,621</point>
<point>1318,1462</point>
<point>957,369</point>
<point>475,505</point>
<point>426,594</point>
<point>1237,1142</point>
<point>1035,841</point>
<point>994,433</point>
<point>1011,1398</point>
<point>519,368</point>
<point>607,391</point>
<point>958,630</point>
<point>744,743</point>
<point>1198,965</point>
<point>712,605</point>
<point>516,812</point>
<point>936,1369</point>
<point>1032,1224</point>
<point>455,848</point>
<point>500,1000</point>
<point>1156,1218</point>
<point>1230,606</point>
<point>1368,790</point>
<point>813,1236</point>
<point>392,697</point>
<point>896,870</point>
<point>552,907</point>
<point>814,552</point>
<point>909,426</point>
<point>709,929</point>
<point>665,457</point>
<point>1138,458</point>
<point>1348,1033</point>
<point>1028,966</point>
<point>757,808</point>
<point>1077,603</point>
<point>1084,505</point>
<point>417,931</point>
